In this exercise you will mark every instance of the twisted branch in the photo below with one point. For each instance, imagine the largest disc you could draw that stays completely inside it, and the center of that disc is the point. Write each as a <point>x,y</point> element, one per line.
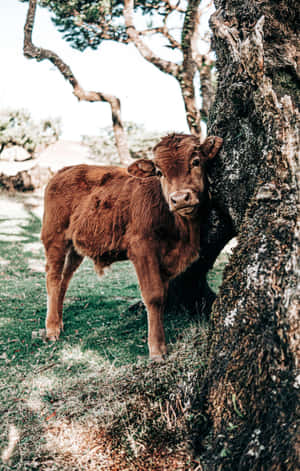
<point>163,65</point>
<point>38,53</point>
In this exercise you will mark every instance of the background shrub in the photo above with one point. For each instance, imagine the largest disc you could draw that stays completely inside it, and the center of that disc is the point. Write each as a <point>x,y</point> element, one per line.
<point>17,128</point>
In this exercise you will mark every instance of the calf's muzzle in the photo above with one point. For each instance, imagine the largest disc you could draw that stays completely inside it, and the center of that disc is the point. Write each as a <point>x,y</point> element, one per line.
<point>183,200</point>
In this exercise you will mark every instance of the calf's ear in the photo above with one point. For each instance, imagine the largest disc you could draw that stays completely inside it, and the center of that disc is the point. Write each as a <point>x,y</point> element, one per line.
<point>210,146</point>
<point>142,168</point>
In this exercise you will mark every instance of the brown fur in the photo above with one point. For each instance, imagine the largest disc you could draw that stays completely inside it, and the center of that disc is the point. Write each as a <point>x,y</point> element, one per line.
<point>110,214</point>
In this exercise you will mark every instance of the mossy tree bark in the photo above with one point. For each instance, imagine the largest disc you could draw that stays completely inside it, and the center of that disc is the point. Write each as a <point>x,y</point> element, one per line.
<point>250,393</point>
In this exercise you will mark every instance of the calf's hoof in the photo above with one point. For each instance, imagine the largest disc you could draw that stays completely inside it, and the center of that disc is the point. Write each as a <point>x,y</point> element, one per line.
<point>53,332</point>
<point>157,358</point>
<point>159,353</point>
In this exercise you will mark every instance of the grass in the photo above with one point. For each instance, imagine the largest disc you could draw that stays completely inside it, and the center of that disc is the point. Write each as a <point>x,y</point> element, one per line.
<point>92,400</point>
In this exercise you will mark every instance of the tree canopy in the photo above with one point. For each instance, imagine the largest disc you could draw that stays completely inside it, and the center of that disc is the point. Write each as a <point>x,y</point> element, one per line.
<point>85,24</point>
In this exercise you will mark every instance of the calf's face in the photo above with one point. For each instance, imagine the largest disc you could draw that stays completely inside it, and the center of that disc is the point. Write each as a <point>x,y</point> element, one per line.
<point>179,163</point>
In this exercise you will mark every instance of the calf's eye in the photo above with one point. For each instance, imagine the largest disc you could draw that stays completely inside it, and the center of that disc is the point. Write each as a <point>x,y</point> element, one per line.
<point>158,173</point>
<point>196,162</point>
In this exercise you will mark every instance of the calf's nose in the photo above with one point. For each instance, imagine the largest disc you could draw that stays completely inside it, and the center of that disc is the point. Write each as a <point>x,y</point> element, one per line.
<point>180,198</point>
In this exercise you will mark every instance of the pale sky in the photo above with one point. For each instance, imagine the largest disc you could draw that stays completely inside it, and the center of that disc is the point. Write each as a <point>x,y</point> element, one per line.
<point>147,95</point>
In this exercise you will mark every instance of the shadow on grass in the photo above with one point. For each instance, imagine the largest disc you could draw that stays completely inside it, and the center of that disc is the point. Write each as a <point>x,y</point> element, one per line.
<point>101,321</point>
<point>95,386</point>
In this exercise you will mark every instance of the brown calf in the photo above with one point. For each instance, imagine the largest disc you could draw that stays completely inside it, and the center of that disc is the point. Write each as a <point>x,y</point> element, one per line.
<point>149,213</point>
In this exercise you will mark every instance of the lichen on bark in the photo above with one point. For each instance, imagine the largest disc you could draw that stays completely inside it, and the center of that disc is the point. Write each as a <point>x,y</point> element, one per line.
<point>251,390</point>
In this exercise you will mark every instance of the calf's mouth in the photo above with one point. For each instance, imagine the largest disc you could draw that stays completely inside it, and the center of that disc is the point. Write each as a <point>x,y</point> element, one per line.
<point>189,210</point>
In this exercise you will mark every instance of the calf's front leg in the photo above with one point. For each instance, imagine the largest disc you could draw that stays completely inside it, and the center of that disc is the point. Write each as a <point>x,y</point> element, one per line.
<point>154,292</point>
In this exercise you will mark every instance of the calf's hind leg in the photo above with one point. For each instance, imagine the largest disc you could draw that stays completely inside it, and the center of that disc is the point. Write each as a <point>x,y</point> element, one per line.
<point>55,260</point>
<point>61,264</point>
<point>72,262</point>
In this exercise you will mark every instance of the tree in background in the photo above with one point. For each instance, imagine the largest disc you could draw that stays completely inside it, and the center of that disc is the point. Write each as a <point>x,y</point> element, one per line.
<point>251,394</point>
<point>33,52</point>
<point>18,129</point>
<point>141,143</point>
<point>174,25</point>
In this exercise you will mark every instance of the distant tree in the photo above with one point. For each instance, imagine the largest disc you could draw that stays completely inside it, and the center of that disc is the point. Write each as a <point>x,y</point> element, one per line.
<point>141,143</point>
<point>175,24</point>
<point>33,52</point>
<point>17,128</point>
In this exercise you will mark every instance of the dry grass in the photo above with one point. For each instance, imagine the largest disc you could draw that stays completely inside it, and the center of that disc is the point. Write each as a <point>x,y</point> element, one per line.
<point>83,413</point>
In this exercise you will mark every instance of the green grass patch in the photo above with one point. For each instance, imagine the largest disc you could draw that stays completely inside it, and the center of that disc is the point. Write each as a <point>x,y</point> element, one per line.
<point>92,399</point>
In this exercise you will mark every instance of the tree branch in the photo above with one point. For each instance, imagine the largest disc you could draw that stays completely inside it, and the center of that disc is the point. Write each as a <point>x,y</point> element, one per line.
<point>165,66</point>
<point>169,6</point>
<point>174,7</point>
<point>165,32</point>
<point>188,68</point>
<point>198,36</point>
<point>188,32</point>
<point>38,53</point>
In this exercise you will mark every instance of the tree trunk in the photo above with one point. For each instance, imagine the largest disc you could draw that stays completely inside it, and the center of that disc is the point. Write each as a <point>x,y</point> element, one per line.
<point>206,86</point>
<point>193,115</point>
<point>250,393</point>
<point>187,71</point>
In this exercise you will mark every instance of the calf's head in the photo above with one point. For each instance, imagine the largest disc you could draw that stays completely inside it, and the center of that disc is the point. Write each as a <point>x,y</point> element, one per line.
<point>179,163</point>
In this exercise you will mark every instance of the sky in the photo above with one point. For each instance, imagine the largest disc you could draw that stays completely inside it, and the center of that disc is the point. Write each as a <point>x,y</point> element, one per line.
<point>148,96</point>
